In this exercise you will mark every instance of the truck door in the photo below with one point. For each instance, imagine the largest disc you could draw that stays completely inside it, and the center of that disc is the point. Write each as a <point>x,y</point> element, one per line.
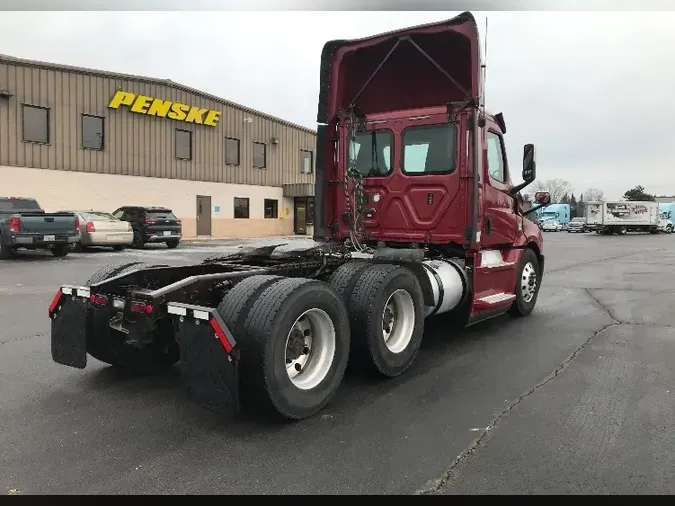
<point>500,222</point>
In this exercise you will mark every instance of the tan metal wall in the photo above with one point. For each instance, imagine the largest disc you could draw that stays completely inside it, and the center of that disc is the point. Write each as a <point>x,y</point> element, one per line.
<point>136,144</point>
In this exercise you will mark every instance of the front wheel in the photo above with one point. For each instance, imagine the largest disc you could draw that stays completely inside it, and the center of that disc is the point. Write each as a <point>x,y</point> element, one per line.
<point>528,282</point>
<point>669,229</point>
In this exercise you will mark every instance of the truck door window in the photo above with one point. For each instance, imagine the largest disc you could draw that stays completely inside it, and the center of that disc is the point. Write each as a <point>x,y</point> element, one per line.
<point>429,149</point>
<point>370,152</point>
<point>495,152</point>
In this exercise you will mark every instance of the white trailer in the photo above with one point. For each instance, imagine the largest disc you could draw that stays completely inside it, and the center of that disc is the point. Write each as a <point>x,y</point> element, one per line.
<point>622,217</point>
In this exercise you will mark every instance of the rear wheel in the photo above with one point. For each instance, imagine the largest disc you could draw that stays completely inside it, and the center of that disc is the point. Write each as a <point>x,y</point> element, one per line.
<point>60,250</point>
<point>528,281</point>
<point>119,248</point>
<point>171,244</point>
<point>294,343</point>
<point>6,252</point>
<point>387,312</point>
<point>138,241</point>
<point>108,345</point>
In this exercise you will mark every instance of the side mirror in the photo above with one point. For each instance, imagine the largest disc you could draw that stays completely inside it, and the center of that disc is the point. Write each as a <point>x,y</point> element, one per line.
<point>543,198</point>
<point>529,164</point>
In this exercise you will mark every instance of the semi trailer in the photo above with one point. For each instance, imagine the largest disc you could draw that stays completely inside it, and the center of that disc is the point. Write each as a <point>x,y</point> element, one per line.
<point>416,216</point>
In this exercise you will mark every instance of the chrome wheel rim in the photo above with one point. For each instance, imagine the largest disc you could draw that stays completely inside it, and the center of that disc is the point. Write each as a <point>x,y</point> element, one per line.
<point>310,349</point>
<point>398,321</point>
<point>528,282</point>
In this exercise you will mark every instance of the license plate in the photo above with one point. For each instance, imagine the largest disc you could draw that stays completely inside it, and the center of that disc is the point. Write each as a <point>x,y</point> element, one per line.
<point>167,232</point>
<point>49,238</point>
<point>115,237</point>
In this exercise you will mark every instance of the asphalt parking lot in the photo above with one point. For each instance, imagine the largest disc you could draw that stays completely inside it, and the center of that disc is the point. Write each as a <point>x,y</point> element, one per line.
<point>577,398</point>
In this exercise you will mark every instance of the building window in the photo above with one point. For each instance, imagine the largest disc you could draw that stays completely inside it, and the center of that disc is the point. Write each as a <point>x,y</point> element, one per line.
<point>306,162</point>
<point>184,144</point>
<point>92,132</point>
<point>240,207</point>
<point>232,151</point>
<point>259,155</point>
<point>271,208</point>
<point>35,124</point>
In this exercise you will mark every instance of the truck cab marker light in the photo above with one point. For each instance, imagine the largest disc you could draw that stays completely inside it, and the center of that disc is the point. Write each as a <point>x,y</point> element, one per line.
<point>67,290</point>
<point>83,292</point>
<point>177,310</point>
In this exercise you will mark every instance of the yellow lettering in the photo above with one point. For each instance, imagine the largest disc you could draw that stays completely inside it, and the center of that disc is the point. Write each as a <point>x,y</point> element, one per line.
<point>178,111</point>
<point>159,108</point>
<point>196,115</point>
<point>141,104</point>
<point>212,118</point>
<point>121,98</point>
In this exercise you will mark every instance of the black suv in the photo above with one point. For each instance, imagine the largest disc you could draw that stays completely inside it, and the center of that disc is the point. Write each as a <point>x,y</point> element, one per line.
<point>151,225</point>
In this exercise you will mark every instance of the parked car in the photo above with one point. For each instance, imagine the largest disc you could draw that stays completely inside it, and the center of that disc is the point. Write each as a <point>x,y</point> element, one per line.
<point>98,228</point>
<point>24,224</point>
<point>577,225</point>
<point>151,225</point>
<point>551,226</point>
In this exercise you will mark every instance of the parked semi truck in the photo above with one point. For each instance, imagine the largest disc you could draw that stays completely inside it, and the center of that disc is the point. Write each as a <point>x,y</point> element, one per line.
<point>400,236</point>
<point>626,216</point>
<point>558,212</point>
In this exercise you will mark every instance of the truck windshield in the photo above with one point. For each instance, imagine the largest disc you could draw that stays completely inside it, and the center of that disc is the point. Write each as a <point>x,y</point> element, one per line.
<point>370,152</point>
<point>19,205</point>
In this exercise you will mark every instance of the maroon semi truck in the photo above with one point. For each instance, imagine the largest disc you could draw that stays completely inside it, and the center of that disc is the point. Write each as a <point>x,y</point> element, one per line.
<point>416,216</point>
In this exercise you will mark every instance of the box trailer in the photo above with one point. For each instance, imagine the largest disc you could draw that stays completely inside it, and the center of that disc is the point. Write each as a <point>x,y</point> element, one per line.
<point>623,217</point>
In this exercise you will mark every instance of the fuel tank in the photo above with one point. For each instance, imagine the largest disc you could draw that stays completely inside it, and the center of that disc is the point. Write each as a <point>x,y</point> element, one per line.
<point>449,285</point>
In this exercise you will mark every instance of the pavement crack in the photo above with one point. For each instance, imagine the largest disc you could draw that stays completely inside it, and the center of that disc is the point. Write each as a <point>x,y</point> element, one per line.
<point>603,307</point>
<point>434,486</point>
<point>24,338</point>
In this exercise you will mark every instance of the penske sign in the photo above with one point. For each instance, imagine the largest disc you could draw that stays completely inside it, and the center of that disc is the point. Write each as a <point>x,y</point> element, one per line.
<point>150,106</point>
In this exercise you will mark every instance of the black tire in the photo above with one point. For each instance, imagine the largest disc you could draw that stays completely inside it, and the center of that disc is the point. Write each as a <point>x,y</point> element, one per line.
<point>172,244</point>
<point>266,385</point>
<point>119,248</point>
<point>366,309</point>
<point>138,241</point>
<point>6,252</point>
<point>109,347</point>
<point>520,306</point>
<point>79,248</point>
<point>60,250</point>
<point>344,278</point>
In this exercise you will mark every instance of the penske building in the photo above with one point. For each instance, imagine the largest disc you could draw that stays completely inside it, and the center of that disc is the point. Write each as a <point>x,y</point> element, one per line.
<point>77,138</point>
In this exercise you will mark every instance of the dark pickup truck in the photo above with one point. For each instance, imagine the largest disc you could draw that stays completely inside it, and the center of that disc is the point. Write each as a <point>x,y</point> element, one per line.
<point>24,224</point>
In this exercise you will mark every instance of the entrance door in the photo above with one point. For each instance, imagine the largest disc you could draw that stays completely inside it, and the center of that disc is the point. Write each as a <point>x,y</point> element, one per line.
<point>203,215</point>
<point>300,216</point>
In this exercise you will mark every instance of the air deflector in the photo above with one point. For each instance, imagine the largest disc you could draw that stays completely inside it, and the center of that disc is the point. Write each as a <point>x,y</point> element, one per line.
<point>415,74</point>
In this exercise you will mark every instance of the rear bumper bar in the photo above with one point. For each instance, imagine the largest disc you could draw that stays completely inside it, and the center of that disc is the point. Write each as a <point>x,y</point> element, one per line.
<point>209,358</point>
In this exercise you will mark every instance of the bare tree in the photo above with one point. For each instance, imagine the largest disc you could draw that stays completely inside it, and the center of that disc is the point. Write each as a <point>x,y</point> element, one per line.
<point>593,195</point>
<point>558,188</point>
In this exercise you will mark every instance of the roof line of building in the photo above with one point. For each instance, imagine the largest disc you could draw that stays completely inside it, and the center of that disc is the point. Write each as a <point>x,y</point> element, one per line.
<point>151,80</point>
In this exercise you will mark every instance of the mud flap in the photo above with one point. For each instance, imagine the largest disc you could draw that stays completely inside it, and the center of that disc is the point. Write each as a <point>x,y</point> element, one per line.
<point>69,333</point>
<point>209,372</point>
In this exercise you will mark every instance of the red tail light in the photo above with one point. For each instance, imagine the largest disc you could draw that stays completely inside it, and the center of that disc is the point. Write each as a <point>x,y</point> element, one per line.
<point>55,301</point>
<point>14,224</point>
<point>90,227</point>
<point>77,224</point>
<point>178,221</point>
<point>148,221</point>
<point>141,307</point>
<point>99,300</point>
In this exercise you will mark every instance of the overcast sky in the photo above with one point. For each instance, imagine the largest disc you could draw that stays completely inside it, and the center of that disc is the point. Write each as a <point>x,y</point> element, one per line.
<point>592,90</point>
